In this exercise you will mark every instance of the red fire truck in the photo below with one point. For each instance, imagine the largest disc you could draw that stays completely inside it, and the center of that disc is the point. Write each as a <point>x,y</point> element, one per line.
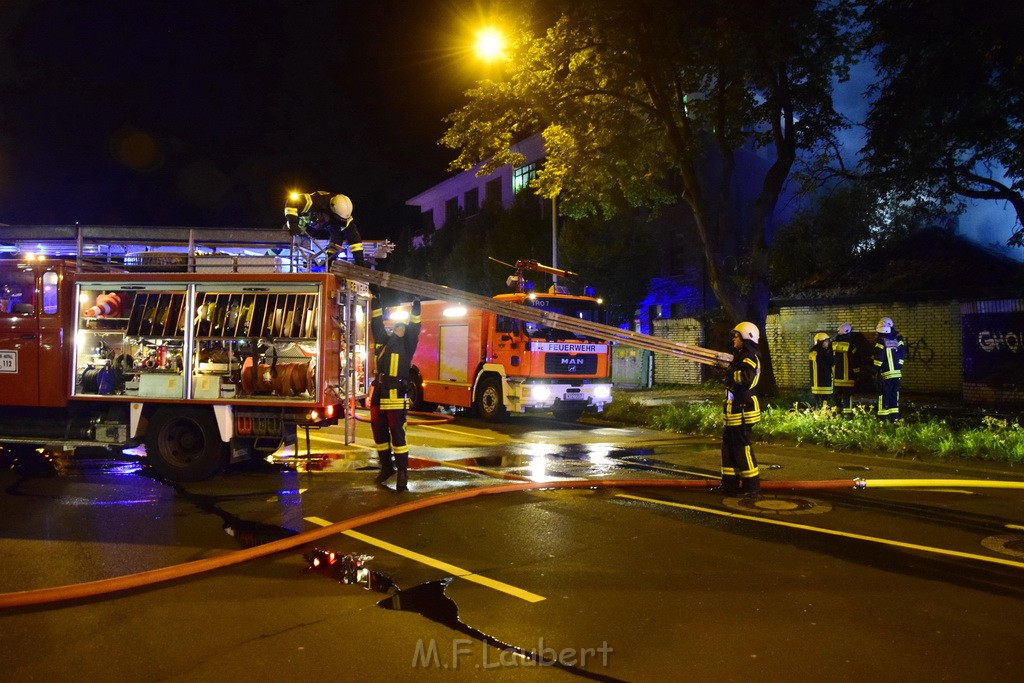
<point>183,353</point>
<point>495,363</point>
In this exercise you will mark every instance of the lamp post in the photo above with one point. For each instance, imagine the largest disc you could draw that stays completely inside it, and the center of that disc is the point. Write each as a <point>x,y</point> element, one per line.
<point>490,47</point>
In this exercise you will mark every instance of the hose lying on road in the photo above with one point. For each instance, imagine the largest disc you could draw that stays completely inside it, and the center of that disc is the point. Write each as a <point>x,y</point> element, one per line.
<point>89,589</point>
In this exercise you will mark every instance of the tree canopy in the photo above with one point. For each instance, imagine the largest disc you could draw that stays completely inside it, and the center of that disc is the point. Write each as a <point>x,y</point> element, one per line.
<point>947,118</point>
<point>650,102</point>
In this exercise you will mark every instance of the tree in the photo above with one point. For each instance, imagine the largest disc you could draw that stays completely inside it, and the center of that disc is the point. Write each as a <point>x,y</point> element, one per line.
<point>947,118</point>
<point>619,255</point>
<point>628,93</point>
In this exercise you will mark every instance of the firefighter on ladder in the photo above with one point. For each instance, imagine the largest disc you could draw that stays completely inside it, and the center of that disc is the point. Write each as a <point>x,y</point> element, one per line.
<point>322,215</point>
<point>389,393</point>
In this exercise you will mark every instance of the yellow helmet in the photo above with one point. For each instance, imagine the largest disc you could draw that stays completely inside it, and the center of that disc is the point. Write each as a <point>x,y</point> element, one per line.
<point>342,206</point>
<point>821,336</point>
<point>748,331</point>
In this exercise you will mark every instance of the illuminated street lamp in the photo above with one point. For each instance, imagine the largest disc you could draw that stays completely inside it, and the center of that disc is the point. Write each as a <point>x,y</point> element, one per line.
<point>490,44</point>
<point>490,47</point>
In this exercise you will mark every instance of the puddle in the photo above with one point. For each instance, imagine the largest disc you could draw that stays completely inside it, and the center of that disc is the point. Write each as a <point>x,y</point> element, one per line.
<point>430,600</point>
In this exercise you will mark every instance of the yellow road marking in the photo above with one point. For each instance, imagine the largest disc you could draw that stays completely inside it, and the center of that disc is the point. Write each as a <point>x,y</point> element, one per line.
<point>460,433</point>
<point>437,564</point>
<point>844,534</point>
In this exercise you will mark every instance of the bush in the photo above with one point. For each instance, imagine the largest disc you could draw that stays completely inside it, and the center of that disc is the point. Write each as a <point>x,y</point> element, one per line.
<point>993,439</point>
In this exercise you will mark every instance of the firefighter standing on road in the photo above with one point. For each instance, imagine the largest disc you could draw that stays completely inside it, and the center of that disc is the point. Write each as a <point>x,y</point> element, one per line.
<point>847,366</point>
<point>742,410</point>
<point>890,352</point>
<point>322,215</point>
<point>389,400</point>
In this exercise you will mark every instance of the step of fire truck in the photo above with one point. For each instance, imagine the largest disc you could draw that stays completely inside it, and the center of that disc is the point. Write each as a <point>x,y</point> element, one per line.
<point>512,310</point>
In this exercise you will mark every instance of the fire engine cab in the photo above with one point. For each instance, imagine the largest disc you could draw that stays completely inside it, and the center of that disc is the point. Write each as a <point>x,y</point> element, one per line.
<point>495,363</point>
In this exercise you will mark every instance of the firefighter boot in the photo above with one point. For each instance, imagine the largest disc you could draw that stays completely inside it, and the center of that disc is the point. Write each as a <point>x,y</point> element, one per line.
<point>730,485</point>
<point>387,467</point>
<point>402,461</point>
<point>752,487</point>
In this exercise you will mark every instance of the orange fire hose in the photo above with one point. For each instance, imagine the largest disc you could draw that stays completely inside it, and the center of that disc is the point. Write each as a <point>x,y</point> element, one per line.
<point>78,591</point>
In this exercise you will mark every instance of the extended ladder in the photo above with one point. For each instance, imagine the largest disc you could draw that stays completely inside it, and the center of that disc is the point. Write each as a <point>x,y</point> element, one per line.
<point>513,310</point>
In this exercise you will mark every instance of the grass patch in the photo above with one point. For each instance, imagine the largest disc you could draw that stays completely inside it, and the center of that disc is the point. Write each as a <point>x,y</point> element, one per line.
<point>993,439</point>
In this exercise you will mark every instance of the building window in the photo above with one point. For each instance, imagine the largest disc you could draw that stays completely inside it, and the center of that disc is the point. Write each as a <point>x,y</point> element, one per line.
<point>471,202</point>
<point>493,191</point>
<point>451,210</point>
<point>522,176</point>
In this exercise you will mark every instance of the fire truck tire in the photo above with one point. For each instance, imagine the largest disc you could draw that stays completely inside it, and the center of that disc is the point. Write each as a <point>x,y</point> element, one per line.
<point>416,394</point>
<point>184,444</point>
<point>490,404</point>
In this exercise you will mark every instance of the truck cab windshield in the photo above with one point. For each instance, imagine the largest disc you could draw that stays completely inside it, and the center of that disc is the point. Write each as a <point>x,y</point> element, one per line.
<point>581,309</point>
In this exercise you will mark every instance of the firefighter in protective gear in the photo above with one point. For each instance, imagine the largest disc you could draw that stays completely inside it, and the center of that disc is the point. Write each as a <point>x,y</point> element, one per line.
<point>740,473</point>
<point>389,399</point>
<point>324,216</point>
<point>821,359</point>
<point>890,352</point>
<point>847,366</point>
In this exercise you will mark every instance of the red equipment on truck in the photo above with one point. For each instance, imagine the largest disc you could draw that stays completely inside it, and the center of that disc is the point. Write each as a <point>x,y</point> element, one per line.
<point>203,357</point>
<point>476,358</point>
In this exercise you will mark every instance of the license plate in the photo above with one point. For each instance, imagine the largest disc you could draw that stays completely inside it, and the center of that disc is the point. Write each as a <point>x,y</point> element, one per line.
<point>574,397</point>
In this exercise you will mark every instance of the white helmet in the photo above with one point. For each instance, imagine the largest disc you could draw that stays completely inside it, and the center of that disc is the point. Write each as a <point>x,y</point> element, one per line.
<point>821,336</point>
<point>884,326</point>
<point>342,206</point>
<point>844,328</point>
<point>748,331</point>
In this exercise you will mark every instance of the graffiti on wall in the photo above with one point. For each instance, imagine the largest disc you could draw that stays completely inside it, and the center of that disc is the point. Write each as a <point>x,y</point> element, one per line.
<point>993,347</point>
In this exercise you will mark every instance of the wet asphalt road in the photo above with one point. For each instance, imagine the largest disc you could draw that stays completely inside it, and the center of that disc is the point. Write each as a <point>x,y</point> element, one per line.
<point>619,583</point>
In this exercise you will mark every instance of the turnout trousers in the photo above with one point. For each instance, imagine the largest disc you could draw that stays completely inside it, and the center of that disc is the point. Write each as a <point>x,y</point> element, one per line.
<point>738,462</point>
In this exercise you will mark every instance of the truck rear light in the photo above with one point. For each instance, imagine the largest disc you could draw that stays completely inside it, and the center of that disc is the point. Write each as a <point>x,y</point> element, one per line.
<point>329,411</point>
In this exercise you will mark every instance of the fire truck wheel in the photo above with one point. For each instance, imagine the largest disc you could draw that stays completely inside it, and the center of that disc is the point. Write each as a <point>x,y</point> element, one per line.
<point>185,444</point>
<point>416,394</point>
<point>489,403</point>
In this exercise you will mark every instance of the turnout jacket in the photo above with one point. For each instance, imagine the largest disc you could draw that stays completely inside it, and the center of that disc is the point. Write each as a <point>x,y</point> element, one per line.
<point>393,356</point>
<point>890,352</point>
<point>821,362</point>
<point>847,360</point>
<point>311,214</point>
<point>741,405</point>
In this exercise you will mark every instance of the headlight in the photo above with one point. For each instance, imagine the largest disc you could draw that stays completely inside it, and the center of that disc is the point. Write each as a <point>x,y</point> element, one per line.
<point>541,392</point>
<point>602,391</point>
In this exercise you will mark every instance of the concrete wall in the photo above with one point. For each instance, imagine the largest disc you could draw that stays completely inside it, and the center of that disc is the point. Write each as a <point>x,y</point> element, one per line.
<point>931,330</point>
<point>671,370</point>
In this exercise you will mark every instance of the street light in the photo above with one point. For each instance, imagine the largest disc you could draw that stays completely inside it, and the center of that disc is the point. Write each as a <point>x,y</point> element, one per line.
<point>490,44</point>
<point>490,47</point>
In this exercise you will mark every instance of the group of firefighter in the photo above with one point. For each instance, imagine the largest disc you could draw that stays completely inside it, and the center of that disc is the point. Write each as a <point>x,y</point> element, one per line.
<point>325,216</point>
<point>836,365</point>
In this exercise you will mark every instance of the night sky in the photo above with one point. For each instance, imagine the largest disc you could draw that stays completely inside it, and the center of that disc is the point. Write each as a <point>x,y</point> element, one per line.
<point>205,113</point>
